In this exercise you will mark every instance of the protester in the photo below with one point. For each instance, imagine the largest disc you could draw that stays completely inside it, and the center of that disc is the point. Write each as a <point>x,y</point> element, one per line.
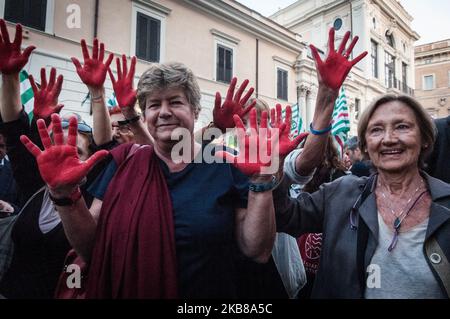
<point>8,188</point>
<point>377,231</point>
<point>438,161</point>
<point>352,150</point>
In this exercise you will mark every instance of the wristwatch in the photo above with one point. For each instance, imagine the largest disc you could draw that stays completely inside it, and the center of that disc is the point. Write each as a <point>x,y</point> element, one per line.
<point>263,187</point>
<point>66,201</point>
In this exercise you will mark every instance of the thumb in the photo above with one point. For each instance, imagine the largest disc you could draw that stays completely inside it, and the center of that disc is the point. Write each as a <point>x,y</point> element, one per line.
<point>58,108</point>
<point>299,139</point>
<point>94,159</point>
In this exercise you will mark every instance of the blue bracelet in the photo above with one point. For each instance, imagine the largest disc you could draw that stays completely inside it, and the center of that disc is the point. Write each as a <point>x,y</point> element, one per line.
<point>319,132</point>
<point>263,187</point>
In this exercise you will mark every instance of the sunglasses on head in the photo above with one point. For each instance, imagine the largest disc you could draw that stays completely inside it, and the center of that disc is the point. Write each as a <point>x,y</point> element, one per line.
<point>82,127</point>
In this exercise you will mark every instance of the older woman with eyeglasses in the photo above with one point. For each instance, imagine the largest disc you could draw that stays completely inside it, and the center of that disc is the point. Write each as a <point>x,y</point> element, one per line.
<point>386,236</point>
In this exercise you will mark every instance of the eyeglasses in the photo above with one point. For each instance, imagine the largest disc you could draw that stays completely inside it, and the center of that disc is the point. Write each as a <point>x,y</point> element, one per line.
<point>82,127</point>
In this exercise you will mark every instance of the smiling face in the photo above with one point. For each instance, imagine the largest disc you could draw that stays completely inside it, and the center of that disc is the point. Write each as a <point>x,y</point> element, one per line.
<point>167,110</point>
<point>393,138</point>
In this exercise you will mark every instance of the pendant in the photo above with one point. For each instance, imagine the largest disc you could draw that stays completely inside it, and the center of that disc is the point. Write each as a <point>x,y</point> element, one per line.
<point>394,241</point>
<point>397,223</point>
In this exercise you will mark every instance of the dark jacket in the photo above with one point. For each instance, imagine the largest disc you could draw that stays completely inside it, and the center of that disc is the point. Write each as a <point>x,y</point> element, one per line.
<point>347,252</point>
<point>438,164</point>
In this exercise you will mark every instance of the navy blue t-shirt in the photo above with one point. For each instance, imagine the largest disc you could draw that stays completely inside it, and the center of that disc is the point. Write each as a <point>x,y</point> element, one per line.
<point>204,197</point>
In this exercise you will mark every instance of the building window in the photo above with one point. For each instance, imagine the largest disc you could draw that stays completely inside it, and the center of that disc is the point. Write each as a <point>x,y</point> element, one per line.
<point>428,82</point>
<point>428,61</point>
<point>337,25</point>
<point>282,84</point>
<point>374,58</point>
<point>224,67</point>
<point>374,23</point>
<point>30,13</point>
<point>389,67</point>
<point>390,39</point>
<point>148,38</point>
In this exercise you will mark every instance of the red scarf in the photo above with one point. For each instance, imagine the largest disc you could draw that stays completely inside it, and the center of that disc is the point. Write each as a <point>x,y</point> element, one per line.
<point>134,254</point>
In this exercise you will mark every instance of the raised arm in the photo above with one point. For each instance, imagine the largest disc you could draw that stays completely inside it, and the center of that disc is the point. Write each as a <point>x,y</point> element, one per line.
<point>255,226</point>
<point>331,75</point>
<point>62,171</point>
<point>12,60</point>
<point>126,98</point>
<point>93,74</point>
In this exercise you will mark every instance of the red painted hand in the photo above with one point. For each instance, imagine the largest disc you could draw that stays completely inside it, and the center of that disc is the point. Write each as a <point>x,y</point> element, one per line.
<point>286,143</point>
<point>59,164</point>
<point>123,87</point>
<point>12,60</point>
<point>93,72</point>
<point>46,98</point>
<point>333,71</point>
<point>233,105</point>
<point>257,149</point>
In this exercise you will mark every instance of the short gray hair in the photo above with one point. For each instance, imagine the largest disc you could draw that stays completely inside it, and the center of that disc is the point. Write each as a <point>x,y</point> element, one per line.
<point>169,75</point>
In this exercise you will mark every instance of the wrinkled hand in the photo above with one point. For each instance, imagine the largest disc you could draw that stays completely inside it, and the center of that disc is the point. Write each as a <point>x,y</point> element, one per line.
<point>286,143</point>
<point>93,72</point>
<point>12,60</point>
<point>233,105</point>
<point>123,87</point>
<point>46,98</point>
<point>59,163</point>
<point>258,149</point>
<point>333,71</point>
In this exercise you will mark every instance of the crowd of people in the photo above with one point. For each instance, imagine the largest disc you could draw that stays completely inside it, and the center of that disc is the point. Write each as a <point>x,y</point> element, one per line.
<point>137,202</point>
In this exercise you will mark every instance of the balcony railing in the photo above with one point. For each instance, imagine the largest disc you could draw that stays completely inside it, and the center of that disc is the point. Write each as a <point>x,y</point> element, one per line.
<point>394,83</point>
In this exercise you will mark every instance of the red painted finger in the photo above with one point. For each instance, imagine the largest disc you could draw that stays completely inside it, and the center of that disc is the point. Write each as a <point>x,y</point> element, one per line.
<point>33,85</point>
<point>119,70</point>
<point>85,50</point>
<point>231,88</point>
<point>101,54</point>
<point>296,141</point>
<point>110,58</point>
<point>95,50</point>
<point>124,65</point>
<point>132,70</point>
<point>27,52</point>
<point>30,146</point>
<point>272,117</point>
<point>58,86</point>
<point>73,131</point>
<point>58,135</point>
<point>247,96</point>
<point>279,117</point>
<point>217,101</point>
<point>77,64</point>
<point>316,55</point>
<point>52,79</point>
<point>253,119</point>
<point>238,122</point>
<point>331,40</point>
<point>351,46</point>
<point>58,108</point>
<point>18,36</point>
<point>94,159</point>
<point>264,118</point>
<point>43,133</point>
<point>4,31</point>
<point>111,76</point>
<point>344,42</point>
<point>43,79</point>
<point>239,92</point>
<point>288,118</point>
<point>359,58</point>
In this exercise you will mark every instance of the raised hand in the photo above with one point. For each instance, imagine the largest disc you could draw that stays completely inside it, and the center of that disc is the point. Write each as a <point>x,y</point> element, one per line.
<point>46,98</point>
<point>12,60</point>
<point>333,71</point>
<point>233,105</point>
<point>286,143</point>
<point>123,86</point>
<point>93,71</point>
<point>59,163</point>
<point>257,150</point>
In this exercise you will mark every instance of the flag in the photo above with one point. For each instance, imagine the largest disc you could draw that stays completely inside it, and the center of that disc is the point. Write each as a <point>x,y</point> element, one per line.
<point>112,101</point>
<point>296,121</point>
<point>340,123</point>
<point>26,93</point>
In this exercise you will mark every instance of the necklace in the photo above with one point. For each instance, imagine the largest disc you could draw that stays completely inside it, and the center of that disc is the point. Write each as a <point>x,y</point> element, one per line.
<point>399,219</point>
